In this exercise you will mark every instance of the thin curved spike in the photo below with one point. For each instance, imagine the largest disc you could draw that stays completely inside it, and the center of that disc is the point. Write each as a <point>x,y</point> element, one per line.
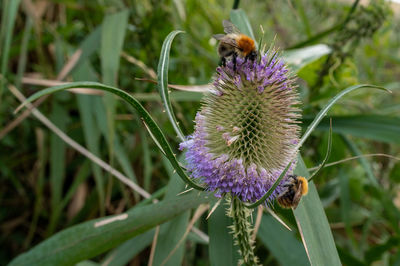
<point>269,192</point>
<point>328,153</point>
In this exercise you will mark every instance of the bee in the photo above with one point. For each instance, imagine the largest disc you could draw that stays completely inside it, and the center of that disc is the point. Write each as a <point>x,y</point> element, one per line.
<point>296,187</point>
<point>234,44</point>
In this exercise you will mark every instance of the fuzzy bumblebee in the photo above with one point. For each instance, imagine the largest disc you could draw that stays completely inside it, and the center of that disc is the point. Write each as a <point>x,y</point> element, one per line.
<point>234,44</point>
<point>295,188</point>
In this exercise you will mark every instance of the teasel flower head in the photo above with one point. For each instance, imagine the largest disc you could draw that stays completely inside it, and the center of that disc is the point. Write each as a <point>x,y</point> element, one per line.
<point>246,130</point>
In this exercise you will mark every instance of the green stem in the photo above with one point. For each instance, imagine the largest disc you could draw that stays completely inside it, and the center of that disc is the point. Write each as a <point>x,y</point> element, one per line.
<point>236,4</point>
<point>242,232</point>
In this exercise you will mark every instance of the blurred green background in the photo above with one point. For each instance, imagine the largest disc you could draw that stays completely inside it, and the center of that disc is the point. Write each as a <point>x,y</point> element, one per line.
<point>46,185</point>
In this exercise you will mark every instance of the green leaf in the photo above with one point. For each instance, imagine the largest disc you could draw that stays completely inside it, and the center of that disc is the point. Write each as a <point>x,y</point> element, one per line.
<point>59,116</point>
<point>375,127</point>
<point>221,248</point>
<point>124,253</point>
<point>89,239</point>
<point>349,259</point>
<point>112,38</point>
<point>87,110</point>
<point>9,11</point>
<point>241,21</point>
<point>151,126</point>
<point>172,231</point>
<point>346,208</point>
<point>299,58</point>
<point>90,45</point>
<point>87,263</point>
<point>282,243</point>
<point>376,252</point>
<point>162,75</point>
<point>314,226</point>
<point>364,162</point>
<point>23,55</point>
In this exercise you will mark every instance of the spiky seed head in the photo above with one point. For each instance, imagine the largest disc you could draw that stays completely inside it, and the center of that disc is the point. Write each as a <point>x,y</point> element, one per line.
<point>247,129</point>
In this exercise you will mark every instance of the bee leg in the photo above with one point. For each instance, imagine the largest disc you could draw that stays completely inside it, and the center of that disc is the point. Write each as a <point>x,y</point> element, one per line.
<point>234,61</point>
<point>223,61</point>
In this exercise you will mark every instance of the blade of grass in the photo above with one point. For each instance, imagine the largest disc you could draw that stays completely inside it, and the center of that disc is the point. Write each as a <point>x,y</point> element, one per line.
<point>147,163</point>
<point>92,140</point>
<point>162,73</point>
<point>39,186</point>
<point>299,58</point>
<point>87,263</point>
<point>80,177</point>
<point>303,17</point>
<point>365,164</point>
<point>345,208</point>
<point>282,244</point>
<point>124,253</point>
<point>24,51</point>
<point>221,249</point>
<point>10,8</point>
<point>59,117</point>
<point>112,38</point>
<point>196,216</point>
<point>240,19</point>
<point>125,164</point>
<point>324,33</point>
<point>172,231</point>
<point>88,47</point>
<point>87,110</point>
<point>376,127</point>
<point>92,238</point>
<point>145,116</point>
<point>313,225</point>
<point>348,159</point>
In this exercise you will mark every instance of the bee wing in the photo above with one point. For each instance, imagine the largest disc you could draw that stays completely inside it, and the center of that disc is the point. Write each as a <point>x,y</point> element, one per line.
<point>219,37</point>
<point>297,196</point>
<point>229,27</point>
<point>226,40</point>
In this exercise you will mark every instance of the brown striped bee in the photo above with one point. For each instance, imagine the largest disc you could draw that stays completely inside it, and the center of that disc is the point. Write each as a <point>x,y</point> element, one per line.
<point>296,187</point>
<point>234,44</point>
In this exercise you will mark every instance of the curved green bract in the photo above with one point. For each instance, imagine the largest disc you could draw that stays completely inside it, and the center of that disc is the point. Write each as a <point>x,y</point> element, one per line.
<point>328,153</point>
<point>325,110</point>
<point>151,126</point>
<point>269,192</point>
<point>162,75</point>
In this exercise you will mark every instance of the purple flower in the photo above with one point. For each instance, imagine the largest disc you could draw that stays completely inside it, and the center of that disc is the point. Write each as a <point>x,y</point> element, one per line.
<point>246,130</point>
